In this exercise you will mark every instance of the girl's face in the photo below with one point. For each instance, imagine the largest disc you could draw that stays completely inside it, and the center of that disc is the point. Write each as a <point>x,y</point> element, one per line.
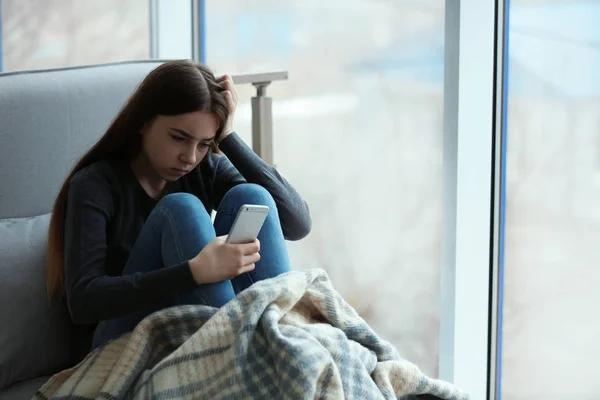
<point>174,145</point>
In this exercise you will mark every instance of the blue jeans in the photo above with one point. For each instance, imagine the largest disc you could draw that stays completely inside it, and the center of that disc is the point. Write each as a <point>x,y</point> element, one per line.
<point>177,229</point>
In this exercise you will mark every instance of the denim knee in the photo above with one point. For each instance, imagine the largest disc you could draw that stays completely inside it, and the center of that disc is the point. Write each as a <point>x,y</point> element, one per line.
<point>183,205</point>
<point>180,200</point>
<point>250,193</point>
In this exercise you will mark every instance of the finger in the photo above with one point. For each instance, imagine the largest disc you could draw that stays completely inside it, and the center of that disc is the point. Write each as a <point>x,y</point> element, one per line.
<point>227,83</point>
<point>234,92</point>
<point>231,88</point>
<point>228,98</point>
<point>250,248</point>
<point>251,259</point>
<point>246,268</point>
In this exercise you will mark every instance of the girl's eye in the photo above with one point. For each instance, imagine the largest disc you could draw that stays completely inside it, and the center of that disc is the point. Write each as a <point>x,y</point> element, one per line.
<point>178,138</point>
<point>204,145</point>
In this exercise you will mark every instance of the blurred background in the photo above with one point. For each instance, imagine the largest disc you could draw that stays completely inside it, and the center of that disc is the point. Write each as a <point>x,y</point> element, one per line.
<point>550,324</point>
<point>358,130</point>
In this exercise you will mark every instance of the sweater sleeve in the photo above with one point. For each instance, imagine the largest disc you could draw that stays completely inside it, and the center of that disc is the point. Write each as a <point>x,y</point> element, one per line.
<point>92,296</point>
<point>243,165</point>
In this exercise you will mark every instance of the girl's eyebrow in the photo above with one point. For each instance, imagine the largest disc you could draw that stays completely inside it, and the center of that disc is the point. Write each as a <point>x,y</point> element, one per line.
<point>184,133</point>
<point>187,135</point>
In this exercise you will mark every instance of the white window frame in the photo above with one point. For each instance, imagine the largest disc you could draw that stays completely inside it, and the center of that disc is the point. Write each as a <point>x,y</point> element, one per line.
<point>474,72</point>
<point>171,29</point>
<point>472,140</point>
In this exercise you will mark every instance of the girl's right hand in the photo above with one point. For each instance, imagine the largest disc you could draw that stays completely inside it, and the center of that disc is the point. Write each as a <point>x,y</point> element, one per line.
<point>219,261</point>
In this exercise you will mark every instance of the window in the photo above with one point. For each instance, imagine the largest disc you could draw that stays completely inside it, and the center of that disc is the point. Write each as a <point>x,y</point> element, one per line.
<point>58,33</point>
<point>551,279</point>
<point>358,129</point>
<point>388,126</point>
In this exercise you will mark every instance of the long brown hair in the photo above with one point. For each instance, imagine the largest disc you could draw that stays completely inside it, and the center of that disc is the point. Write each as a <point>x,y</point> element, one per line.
<point>173,88</point>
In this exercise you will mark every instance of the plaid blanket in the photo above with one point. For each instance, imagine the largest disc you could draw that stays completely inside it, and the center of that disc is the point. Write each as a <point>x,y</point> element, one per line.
<point>290,337</point>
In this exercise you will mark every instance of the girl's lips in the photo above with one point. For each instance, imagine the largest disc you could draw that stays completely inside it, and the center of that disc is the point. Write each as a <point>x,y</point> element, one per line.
<point>179,171</point>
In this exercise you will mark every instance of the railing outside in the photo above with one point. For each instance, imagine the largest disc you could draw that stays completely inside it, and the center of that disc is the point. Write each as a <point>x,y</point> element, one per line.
<point>262,111</point>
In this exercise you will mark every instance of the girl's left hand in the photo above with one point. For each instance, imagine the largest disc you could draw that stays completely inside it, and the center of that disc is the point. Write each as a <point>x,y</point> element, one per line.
<point>231,97</point>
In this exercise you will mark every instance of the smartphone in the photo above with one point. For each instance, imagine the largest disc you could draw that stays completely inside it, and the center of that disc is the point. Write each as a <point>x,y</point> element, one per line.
<point>247,224</point>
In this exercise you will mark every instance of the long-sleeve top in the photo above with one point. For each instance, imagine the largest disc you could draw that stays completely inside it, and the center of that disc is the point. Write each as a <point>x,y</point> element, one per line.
<point>107,207</point>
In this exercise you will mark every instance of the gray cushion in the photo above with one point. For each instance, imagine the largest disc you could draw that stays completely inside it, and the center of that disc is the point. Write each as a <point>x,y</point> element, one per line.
<point>48,119</point>
<point>23,390</point>
<point>35,333</point>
